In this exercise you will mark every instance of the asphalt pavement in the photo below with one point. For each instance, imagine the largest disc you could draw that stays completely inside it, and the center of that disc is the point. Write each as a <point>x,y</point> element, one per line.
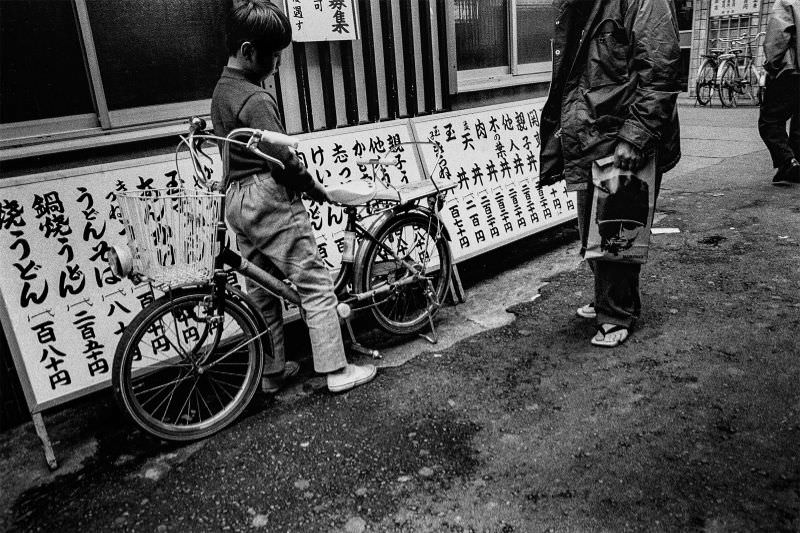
<point>513,422</point>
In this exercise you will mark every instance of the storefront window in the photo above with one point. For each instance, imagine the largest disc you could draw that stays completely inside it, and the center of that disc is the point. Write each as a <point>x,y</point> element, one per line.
<point>683,8</point>
<point>177,47</point>
<point>42,71</point>
<point>481,33</point>
<point>535,20</point>
<point>500,41</point>
<point>721,30</point>
<point>70,65</point>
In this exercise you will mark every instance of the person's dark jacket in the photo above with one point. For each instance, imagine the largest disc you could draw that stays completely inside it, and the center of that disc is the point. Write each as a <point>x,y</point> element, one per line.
<point>781,45</point>
<point>619,82</point>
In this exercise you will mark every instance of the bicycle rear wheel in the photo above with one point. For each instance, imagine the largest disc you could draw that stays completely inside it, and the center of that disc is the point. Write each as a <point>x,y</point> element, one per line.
<point>704,86</point>
<point>183,370</point>
<point>419,241</point>
<point>728,84</point>
<point>751,84</point>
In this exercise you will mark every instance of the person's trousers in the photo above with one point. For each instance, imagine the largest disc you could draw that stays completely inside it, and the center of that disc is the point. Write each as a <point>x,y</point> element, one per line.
<point>781,103</point>
<point>273,232</point>
<point>616,284</point>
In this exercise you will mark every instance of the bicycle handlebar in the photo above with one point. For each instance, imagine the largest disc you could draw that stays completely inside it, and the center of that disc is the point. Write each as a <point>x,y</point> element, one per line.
<point>198,134</point>
<point>272,137</point>
<point>744,38</point>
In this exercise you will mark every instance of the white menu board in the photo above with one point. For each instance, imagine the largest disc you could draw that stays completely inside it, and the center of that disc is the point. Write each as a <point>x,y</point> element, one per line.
<point>493,153</point>
<point>62,310</point>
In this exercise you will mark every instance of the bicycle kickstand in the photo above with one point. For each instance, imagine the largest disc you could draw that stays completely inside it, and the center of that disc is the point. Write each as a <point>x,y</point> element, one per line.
<point>433,338</point>
<point>357,346</point>
<point>433,305</point>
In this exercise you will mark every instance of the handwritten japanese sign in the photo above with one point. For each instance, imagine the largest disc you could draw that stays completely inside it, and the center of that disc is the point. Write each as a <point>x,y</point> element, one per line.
<point>331,158</point>
<point>323,20</point>
<point>493,154</point>
<point>734,7</point>
<point>63,311</point>
<point>62,308</point>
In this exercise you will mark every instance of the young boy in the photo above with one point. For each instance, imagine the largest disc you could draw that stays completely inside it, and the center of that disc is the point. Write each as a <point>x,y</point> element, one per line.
<point>263,203</point>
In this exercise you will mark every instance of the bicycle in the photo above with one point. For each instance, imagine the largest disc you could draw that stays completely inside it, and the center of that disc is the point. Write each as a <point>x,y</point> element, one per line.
<point>706,82</point>
<point>733,82</point>
<point>188,364</point>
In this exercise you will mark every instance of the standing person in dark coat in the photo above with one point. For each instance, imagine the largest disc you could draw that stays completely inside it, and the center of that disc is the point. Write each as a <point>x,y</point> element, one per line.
<point>782,94</point>
<point>614,91</point>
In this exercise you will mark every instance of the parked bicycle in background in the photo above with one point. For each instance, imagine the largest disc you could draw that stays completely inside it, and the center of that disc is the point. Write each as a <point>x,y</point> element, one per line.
<point>730,72</point>
<point>706,82</point>
<point>737,74</point>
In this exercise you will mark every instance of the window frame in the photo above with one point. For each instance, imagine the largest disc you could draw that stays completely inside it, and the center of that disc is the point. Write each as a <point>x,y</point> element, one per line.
<point>91,129</point>
<point>509,75</point>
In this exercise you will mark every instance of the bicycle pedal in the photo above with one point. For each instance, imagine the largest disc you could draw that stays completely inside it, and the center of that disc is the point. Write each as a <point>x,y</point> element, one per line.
<point>359,348</point>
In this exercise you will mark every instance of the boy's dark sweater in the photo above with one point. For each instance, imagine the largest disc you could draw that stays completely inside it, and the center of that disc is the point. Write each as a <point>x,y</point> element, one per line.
<point>239,102</point>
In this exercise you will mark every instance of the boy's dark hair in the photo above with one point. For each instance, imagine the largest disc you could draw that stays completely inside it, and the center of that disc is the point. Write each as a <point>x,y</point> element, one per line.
<point>259,22</point>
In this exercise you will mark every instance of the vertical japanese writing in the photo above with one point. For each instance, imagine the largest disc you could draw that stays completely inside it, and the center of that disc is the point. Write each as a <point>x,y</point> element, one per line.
<point>34,290</point>
<point>54,224</point>
<point>340,24</point>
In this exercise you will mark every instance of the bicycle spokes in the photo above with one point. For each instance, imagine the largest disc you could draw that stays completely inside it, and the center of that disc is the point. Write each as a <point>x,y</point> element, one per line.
<point>192,364</point>
<point>406,261</point>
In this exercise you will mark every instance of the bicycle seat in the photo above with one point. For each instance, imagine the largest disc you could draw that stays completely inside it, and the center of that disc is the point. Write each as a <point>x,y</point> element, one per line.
<point>359,193</point>
<point>735,51</point>
<point>420,189</point>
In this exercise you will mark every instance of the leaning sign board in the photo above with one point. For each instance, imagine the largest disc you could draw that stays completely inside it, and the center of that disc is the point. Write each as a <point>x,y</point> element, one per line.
<point>331,157</point>
<point>62,309</point>
<point>493,153</point>
<point>63,312</point>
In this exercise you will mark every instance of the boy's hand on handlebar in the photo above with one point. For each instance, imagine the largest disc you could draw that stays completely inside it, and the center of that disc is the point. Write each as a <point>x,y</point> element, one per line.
<point>318,193</point>
<point>279,139</point>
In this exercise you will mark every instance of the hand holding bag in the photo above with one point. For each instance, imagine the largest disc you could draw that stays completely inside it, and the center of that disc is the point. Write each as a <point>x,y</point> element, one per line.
<point>623,204</point>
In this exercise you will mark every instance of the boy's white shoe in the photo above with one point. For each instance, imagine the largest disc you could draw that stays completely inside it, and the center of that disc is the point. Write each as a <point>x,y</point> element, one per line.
<point>350,376</point>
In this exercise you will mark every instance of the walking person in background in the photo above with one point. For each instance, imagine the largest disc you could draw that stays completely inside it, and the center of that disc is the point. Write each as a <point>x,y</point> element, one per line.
<point>614,92</point>
<point>782,92</point>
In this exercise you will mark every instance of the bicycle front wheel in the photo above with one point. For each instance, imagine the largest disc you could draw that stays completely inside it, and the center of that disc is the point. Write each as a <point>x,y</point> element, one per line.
<point>704,86</point>
<point>183,370</point>
<point>728,84</point>
<point>409,245</point>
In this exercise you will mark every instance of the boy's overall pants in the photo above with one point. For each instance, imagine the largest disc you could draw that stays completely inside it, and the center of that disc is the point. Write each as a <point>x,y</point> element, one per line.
<point>273,231</point>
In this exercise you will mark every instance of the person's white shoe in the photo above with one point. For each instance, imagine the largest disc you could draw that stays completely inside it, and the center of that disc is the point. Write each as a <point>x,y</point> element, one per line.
<point>350,376</point>
<point>587,311</point>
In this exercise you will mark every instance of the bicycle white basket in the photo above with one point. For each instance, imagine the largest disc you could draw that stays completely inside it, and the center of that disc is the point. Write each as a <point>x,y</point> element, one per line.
<point>171,233</point>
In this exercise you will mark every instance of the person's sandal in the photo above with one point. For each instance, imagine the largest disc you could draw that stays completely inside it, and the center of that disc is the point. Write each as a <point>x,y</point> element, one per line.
<point>605,331</point>
<point>587,311</point>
